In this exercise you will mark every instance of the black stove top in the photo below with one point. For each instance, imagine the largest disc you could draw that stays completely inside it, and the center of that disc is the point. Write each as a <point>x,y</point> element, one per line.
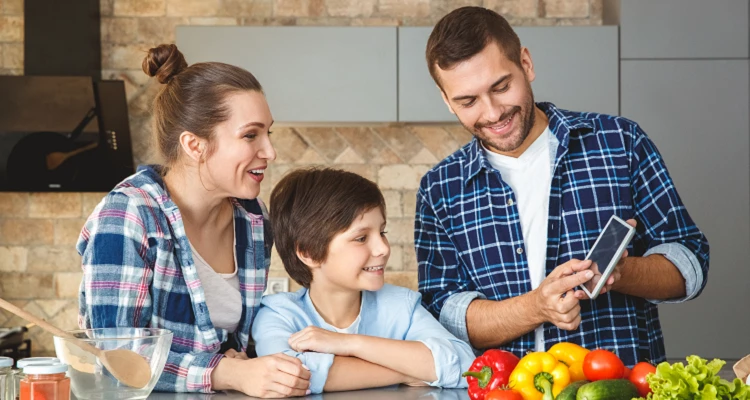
<point>14,344</point>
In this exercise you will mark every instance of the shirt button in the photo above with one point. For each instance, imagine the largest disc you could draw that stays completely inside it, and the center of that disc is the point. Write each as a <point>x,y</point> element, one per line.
<point>510,202</point>
<point>519,250</point>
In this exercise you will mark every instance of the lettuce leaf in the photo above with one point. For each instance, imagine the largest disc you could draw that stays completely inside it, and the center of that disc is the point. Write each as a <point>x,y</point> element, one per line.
<point>699,379</point>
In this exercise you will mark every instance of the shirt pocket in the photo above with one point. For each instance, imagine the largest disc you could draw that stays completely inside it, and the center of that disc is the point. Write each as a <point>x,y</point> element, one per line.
<point>588,209</point>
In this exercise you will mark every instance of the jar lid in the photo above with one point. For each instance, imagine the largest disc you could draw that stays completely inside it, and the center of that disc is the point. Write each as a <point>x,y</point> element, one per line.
<point>6,362</point>
<point>36,360</point>
<point>45,369</point>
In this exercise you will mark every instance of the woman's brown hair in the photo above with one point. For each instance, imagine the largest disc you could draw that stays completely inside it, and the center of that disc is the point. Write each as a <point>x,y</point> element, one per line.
<point>310,206</point>
<point>193,98</point>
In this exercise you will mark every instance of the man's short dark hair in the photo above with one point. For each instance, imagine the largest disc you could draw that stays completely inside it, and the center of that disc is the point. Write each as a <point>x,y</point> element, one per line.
<point>465,32</point>
<point>310,206</point>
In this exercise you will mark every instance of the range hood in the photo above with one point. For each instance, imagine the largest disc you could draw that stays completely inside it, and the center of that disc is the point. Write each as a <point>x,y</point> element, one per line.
<point>62,128</point>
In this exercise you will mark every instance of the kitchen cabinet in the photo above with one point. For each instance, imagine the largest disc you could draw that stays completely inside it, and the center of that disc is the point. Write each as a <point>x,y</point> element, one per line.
<point>696,111</point>
<point>576,68</point>
<point>309,74</point>
<point>684,28</point>
<point>379,74</point>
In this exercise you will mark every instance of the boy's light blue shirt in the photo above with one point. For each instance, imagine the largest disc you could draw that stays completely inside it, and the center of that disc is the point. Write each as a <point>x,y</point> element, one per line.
<point>392,312</point>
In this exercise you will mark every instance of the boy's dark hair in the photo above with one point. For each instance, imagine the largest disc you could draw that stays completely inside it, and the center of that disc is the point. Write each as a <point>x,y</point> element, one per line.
<point>310,206</point>
<point>466,31</point>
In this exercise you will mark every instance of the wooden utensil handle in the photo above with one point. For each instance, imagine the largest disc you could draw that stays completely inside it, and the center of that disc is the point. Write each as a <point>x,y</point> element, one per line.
<point>49,327</point>
<point>31,318</point>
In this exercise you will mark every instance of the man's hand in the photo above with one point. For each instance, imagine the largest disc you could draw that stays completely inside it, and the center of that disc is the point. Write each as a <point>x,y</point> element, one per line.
<point>320,340</point>
<point>556,298</point>
<point>616,272</point>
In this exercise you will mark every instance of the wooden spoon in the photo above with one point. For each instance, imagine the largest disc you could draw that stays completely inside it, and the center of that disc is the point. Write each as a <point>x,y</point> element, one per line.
<point>56,158</point>
<point>127,366</point>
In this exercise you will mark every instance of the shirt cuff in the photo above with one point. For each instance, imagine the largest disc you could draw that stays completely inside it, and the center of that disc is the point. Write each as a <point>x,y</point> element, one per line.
<point>448,363</point>
<point>453,313</point>
<point>319,364</point>
<point>199,372</point>
<point>688,265</point>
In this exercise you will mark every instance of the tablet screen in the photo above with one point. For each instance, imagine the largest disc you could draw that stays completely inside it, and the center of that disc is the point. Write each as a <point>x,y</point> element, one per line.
<point>605,250</point>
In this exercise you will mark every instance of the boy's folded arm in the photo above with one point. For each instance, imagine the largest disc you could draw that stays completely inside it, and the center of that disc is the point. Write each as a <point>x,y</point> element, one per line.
<point>271,332</point>
<point>451,356</point>
<point>410,358</point>
<point>352,373</point>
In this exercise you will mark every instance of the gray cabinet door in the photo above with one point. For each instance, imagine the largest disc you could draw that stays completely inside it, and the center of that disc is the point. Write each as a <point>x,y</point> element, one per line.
<point>419,99</point>
<point>684,28</point>
<point>576,68</point>
<point>696,111</point>
<point>309,74</point>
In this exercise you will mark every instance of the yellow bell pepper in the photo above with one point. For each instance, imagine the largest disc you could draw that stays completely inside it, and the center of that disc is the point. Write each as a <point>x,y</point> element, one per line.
<point>571,355</point>
<point>539,376</point>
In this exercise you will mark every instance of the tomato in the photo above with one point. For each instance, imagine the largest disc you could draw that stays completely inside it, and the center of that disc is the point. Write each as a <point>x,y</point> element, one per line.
<point>602,364</point>
<point>638,377</point>
<point>502,394</point>
<point>626,373</point>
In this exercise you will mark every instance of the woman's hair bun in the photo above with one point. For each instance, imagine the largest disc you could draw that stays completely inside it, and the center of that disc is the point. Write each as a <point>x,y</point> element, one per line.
<point>164,62</point>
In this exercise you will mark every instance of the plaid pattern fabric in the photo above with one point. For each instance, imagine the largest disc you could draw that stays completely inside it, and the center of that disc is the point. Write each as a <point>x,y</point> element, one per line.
<point>468,235</point>
<point>139,272</point>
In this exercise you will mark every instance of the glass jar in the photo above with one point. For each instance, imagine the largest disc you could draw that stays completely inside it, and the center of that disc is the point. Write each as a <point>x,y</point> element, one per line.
<point>6,378</point>
<point>18,372</point>
<point>45,382</point>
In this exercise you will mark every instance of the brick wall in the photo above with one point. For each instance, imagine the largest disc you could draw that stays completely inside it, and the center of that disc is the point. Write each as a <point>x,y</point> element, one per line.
<point>39,268</point>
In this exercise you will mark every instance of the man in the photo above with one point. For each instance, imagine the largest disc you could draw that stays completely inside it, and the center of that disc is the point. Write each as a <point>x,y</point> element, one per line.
<point>503,223</point>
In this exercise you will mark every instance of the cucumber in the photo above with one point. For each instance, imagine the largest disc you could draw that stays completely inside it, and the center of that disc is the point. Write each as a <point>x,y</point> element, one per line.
<point>608,389</point>
<point>569,393</point>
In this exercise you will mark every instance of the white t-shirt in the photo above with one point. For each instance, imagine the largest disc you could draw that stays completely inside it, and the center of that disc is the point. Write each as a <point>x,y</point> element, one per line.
<point>353,328</point>
<point>530,177</point>
<point>222,292</point>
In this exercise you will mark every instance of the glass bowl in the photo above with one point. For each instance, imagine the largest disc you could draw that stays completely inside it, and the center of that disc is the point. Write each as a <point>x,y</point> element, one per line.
<point>88,377</point>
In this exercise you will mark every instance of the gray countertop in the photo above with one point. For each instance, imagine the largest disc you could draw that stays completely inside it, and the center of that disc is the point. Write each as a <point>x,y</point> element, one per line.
<point>387,393</point>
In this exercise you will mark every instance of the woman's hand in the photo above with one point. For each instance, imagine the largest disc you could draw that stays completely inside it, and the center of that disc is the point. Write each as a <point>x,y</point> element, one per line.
<point>320,340</point>
<point>274,376</point>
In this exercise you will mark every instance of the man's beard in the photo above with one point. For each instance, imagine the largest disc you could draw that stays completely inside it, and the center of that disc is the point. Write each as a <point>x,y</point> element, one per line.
<point>526,116</point>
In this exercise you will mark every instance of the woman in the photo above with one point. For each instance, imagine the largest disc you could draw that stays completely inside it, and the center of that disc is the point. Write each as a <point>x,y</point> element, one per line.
<point>186,246</point>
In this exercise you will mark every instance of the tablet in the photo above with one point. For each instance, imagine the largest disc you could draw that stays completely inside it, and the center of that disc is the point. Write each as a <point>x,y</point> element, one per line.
<point>606,252</point>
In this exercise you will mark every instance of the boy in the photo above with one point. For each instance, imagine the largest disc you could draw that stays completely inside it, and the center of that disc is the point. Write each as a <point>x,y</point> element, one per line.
<point>349,328</point>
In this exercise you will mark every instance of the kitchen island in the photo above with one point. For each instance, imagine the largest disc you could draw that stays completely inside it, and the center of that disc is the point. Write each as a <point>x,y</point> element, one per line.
<point>387,393</point>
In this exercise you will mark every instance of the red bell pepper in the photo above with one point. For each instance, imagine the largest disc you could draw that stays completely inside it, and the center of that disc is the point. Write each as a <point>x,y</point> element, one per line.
<point>489,371</point>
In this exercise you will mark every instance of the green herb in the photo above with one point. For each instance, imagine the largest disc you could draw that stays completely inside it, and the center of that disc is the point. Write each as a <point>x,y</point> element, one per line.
<point>698,379</point>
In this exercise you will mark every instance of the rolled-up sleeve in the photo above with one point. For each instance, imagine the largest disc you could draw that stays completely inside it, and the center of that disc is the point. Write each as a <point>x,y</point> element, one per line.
<point>271,332</point>
<point>452,356</point>
<point>686,263</point>
<point>453,314</point>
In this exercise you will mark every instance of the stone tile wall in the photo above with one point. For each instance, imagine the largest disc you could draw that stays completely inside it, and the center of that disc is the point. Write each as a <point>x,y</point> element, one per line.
<point>39,267</point>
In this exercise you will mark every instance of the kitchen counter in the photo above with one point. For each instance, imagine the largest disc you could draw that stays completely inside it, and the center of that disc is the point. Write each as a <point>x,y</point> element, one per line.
<point>387,393</point>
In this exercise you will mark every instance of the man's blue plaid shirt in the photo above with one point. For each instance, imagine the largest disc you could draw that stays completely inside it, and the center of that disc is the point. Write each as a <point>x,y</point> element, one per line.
<point>469,243</point>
